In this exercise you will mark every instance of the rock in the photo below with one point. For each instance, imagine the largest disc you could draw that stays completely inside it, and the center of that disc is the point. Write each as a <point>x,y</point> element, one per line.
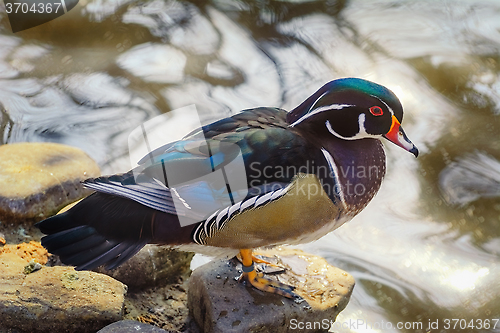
<point>152,266</point>
<point>164,307</point>
<point>28,251</point>
<point>56,299</point>
<point>31,267</point>
<point>219,303</point>
<point>38,179</point>
<point>131,326</point>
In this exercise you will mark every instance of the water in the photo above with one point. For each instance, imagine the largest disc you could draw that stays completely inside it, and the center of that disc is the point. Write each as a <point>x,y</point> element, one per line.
<point>427,249</point>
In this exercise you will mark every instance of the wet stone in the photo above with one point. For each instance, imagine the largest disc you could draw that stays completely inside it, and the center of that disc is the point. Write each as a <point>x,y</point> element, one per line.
<point>150,267</point>
<point>219,303</point>
<point>56,299</point>
<point>38,179</point>
<point>131,326</point>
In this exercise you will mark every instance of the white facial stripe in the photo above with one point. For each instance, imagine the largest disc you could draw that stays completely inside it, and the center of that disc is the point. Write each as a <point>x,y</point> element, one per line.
<point>317,100</point>
<point>388,107</point>
<point>330,129</point>
<point>360,135</point>
<point>361,123</point>
<point>331,107</point>
<point>321,109</point>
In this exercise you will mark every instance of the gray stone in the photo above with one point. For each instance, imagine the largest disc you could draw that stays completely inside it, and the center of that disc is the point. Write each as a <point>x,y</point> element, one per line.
<point>38,179</point>
<point>131,326</point>
<point>219,303</point>
<point>152,266</point>
<point>57,299</point>
<point>164,307</point>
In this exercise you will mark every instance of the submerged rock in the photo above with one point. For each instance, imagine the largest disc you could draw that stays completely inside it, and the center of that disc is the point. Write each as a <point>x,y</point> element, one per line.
<point>219,303</point>
<point>38,179</point>
<point>56,299</point>
<point>131,326</point>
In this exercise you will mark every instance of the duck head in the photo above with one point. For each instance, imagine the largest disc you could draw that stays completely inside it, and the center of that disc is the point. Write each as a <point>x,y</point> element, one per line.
<point>352,109</point>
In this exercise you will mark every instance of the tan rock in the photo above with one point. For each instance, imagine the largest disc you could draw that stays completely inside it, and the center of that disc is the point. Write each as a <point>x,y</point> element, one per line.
<point>219,303</point>
<point>57,299</point>
<point>38,179</point>
<point>27,251</point>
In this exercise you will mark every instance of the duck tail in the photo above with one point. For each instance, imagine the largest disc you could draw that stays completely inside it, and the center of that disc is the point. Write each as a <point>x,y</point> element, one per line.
<point>100,230</point>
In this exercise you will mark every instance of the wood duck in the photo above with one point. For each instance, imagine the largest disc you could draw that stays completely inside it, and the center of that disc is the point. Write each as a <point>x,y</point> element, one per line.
<point>308,171</point>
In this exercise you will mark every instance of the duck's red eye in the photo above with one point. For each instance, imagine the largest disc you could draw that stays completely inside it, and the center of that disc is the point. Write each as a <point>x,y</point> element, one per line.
<point>376,111</point>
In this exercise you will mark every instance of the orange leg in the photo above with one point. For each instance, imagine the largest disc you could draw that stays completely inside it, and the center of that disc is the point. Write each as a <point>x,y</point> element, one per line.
<point>259,281</point>
<point>258,260</point>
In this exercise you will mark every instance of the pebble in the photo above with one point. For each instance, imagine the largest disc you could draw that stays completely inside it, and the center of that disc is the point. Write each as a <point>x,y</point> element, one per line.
<point>131,326</point>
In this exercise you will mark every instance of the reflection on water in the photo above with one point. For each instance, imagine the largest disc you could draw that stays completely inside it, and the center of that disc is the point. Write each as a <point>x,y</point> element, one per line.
<point>471,177</point>
<point>418,253</point>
